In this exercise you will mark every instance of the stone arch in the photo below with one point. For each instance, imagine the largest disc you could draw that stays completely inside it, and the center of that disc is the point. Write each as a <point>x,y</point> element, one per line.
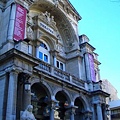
<point>65,92</point>
<point>44,84</point>
<point>83,100</point>
<point>49,41</point>
<point>65,28</point>
<point>40,97</point>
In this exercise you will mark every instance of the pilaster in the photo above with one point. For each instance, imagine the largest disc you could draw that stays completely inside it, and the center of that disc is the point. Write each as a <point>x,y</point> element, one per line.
<point>11,22</point>
<point>99,112</point>
<point>12,96</point>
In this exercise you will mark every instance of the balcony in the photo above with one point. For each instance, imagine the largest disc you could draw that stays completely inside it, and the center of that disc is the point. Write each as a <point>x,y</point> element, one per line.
<point>59,74</point>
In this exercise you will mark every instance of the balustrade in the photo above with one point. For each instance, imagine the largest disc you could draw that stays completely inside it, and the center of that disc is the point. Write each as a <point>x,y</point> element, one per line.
<point>62,75</point>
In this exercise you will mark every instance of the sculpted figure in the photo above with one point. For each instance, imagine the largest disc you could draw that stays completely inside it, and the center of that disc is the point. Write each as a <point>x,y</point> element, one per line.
<point>27,114</point>
<point>30,33</point>
<point>56,3</point>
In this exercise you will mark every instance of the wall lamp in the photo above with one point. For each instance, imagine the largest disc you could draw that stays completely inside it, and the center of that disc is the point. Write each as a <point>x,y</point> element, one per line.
<point>24,80</point>
<point>27,86</point>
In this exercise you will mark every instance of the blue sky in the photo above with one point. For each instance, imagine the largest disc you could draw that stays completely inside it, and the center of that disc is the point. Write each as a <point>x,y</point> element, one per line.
<point>101,23</point>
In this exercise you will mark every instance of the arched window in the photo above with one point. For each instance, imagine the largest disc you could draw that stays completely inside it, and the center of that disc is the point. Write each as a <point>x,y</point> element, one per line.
<point>43,52</point>
<point>43,45</point>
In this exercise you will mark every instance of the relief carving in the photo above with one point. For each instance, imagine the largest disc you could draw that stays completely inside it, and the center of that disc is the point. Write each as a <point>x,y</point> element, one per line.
<point>61,49</point>
<point>46,17</point>
<point>30,33</point>
<point>29,20</point>
<point>69,41</point>
<point>56,2</point>
<point>66,30</point>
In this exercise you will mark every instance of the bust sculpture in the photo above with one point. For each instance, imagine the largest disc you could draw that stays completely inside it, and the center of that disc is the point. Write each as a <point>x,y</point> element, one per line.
<point>27,114</point>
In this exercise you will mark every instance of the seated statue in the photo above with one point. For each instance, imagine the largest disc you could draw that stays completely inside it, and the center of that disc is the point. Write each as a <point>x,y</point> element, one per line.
<point>27,114</point>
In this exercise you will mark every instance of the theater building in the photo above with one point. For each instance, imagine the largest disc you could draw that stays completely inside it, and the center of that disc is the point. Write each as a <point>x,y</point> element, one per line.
<point>44,62</point>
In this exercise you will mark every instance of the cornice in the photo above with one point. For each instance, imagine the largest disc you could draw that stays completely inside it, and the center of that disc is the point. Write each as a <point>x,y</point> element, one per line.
<point>74,9</point>
<point>100,92</point>
<point>14,53</point>
<point>97,62</point>
<point>86,44</point>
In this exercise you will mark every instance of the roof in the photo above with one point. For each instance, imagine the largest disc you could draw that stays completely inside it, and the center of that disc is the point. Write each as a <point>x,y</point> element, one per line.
<point>114,104</point>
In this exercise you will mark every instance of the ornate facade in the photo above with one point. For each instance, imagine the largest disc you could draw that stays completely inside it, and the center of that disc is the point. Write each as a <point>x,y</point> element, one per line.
<point>52,68</point>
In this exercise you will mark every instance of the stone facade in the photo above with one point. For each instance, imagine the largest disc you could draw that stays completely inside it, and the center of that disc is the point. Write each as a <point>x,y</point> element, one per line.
<point>108,87</point>
<point>52,68</point>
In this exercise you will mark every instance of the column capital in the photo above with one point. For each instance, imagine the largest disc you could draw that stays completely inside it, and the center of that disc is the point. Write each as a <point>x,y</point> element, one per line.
<point>54,52</point>
<point>54,104</point>
<point>72,109</point>
<point>88,115</point>
<point>99,104</point>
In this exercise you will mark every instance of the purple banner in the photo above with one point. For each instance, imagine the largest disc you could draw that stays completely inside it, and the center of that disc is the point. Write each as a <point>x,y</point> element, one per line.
<point>92,69</point>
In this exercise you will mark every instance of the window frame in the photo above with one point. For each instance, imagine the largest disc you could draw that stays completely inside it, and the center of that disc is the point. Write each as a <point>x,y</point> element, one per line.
<point>58,65</point>
<point>44,50</point>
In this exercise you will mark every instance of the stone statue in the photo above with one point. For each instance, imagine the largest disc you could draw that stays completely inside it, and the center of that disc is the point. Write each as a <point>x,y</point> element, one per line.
<point>56,2</point>
<point>27,114</point>
<point>30,33</point>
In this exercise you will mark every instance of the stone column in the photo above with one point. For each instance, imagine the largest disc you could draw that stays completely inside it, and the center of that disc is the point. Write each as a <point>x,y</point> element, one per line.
<point>99,112</point>
<point>54,54</point>
<point>72,112</point>
<point>104,111</point>
<point>94,112</point>
<point>72,116</point>
<point>37,44</point>
<point>37,51</point>
<point>55,61</point>
<point>53,106</point>
<point>12,96</point>
<point>26,93</point>
<point>11,22</point>
<point>88,115</point>
<point>52,114</point>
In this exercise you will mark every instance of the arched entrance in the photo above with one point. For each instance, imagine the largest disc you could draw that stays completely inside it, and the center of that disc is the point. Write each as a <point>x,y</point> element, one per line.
<point>40,100</point>
<point>62,112</point>
<point>79,112</point>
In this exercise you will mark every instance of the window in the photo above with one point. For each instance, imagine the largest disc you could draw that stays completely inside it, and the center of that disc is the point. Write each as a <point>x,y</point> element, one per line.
<point>30,49</point>
<point>57,64</point>
<point>43,45</point>
<point>45,58</point>
<point>43,52</point>
<point>60,65</point>
<point>41,55</point>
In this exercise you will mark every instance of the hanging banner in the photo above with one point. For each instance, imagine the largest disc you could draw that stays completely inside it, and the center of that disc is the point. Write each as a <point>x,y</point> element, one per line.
<point>20,23</point>
<point>92,69</point>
